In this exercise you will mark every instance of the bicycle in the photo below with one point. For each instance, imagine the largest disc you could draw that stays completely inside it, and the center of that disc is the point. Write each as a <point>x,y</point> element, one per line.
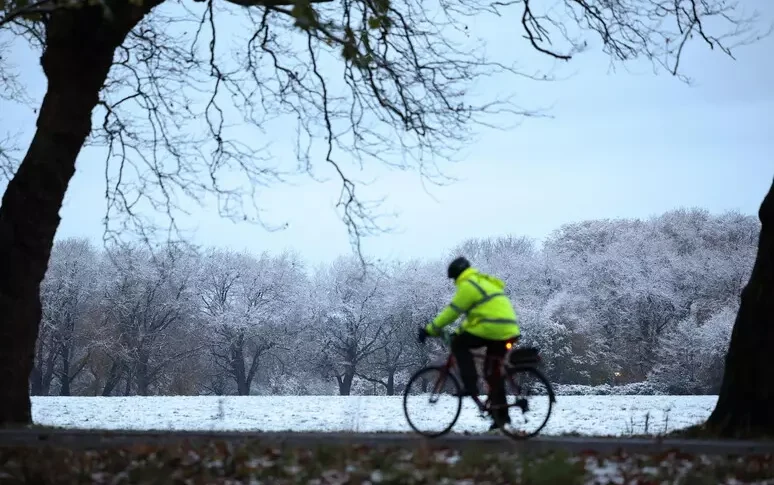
<point>517,362</point>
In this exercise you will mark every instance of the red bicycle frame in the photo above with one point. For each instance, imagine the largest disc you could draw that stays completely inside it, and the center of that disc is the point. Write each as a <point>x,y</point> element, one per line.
<point>496,366</point>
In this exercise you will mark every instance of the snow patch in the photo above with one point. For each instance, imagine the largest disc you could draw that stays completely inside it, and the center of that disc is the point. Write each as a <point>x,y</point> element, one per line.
<point>585,415</point>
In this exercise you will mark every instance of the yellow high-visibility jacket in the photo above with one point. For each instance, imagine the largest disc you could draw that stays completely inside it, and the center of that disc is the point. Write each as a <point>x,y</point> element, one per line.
<point>488,311</point>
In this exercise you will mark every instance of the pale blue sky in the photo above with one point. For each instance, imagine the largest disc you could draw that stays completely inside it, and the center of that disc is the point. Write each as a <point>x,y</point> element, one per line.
<point>623,144</point>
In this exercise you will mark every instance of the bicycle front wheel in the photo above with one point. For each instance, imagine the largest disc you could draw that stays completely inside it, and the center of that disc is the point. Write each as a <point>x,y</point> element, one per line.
<point>432,401</point>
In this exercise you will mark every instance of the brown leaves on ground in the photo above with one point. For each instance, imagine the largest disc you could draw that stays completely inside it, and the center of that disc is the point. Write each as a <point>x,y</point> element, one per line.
<point>222,462</point>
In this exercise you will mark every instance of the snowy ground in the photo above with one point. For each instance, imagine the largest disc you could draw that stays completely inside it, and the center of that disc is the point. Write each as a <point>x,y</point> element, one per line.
<point>587,415</point>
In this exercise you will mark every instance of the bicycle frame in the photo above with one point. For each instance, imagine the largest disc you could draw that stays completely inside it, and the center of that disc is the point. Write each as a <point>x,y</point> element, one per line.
<point>498,362</point>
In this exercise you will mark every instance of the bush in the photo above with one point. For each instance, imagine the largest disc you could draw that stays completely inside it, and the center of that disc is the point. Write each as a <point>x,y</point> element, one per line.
<point>632,389</point>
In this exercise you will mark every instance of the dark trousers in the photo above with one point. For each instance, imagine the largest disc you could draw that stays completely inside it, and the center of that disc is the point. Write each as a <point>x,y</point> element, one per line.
<point>461,346</point>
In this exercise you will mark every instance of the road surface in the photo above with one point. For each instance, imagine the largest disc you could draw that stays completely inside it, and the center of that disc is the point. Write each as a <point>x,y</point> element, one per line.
<point>98,439</point>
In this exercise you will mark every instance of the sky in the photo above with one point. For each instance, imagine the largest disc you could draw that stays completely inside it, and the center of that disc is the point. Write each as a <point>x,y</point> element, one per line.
<point>619,144</point>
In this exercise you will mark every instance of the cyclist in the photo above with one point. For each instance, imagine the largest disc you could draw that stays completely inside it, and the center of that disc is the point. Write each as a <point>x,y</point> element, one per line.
<point>490,320</point>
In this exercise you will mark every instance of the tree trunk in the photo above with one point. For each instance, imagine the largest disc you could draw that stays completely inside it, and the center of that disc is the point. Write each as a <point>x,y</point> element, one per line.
<point>112,379</point>
<point>64,377</point>
<point>260,349</point>
<point>390,387</point>
<point>79,50</point>
<point>48,370</point>
<point>745,406</point>
<point>128,382</point>
<point>238,369</point>
<point>142,376</point>
<point>43,368</point>
<point>243,387</point>
<point>36,374</point>
<point>345,384</point>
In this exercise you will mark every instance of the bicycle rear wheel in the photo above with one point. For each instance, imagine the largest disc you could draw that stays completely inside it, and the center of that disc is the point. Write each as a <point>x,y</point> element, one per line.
<point>530,401</point>
<point>432,401</point>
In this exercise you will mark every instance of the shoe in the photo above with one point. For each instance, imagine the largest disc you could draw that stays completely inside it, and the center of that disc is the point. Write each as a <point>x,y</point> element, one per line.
<point>512,430</point>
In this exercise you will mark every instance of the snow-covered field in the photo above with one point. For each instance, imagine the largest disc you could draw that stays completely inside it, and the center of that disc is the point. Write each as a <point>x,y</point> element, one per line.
<point>587,415</point>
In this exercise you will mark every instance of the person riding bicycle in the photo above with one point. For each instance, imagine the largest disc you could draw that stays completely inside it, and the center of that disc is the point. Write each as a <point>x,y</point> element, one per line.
<point>490,321</point>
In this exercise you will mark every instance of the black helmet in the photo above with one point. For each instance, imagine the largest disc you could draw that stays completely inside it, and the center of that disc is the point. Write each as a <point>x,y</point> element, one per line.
<point>457,266</point>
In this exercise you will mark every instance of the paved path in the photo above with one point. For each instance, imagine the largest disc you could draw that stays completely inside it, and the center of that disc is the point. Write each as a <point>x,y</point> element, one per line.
<point>102,439</point>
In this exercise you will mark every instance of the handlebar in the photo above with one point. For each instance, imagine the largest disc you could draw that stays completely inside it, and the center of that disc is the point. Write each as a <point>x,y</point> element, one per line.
<point>444,336</point>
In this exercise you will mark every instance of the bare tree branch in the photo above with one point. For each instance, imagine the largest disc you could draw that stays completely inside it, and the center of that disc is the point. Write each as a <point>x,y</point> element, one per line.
<point>9,160</point>
<point>197,91</point>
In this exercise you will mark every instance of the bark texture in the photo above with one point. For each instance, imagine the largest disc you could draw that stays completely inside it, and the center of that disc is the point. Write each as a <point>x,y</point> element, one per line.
<point>745,406</point>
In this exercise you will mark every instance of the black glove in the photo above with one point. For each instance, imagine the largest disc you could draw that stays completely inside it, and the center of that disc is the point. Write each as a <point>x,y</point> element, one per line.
<point>422,335</point>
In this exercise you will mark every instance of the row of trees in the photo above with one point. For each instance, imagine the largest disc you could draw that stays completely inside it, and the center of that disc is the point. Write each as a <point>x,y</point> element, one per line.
<point>650,301</point>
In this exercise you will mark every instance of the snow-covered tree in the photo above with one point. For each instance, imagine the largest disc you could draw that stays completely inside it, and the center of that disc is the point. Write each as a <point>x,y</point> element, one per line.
<point>350,325</point>
<point>401,318</point>
<point>148,313</point>
<point>691,355</point>
<point>67,295</point>
<point>248,305</point>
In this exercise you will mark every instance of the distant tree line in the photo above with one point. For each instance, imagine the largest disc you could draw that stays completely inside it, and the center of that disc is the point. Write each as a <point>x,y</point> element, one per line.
<point>609,302</point>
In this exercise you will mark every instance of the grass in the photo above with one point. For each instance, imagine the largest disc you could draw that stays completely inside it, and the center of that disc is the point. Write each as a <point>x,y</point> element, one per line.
<point>256,462</point>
